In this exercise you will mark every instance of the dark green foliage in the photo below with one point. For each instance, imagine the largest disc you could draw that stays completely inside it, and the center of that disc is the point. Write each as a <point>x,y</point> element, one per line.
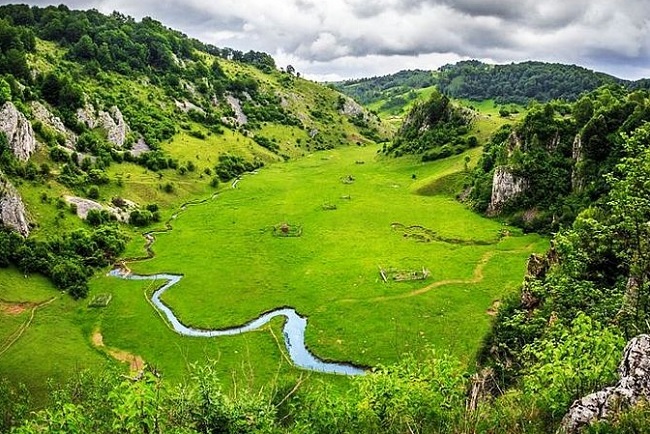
<point>563,152</point>
<point>433,129</point>
<point>266,143</point>
<point>68,259</point>
<point>231,166</point>
<point>519,82</point>
<point>144,217</point>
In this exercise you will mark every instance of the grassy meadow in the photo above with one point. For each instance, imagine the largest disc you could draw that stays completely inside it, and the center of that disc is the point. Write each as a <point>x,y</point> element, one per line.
<point>346,202</point>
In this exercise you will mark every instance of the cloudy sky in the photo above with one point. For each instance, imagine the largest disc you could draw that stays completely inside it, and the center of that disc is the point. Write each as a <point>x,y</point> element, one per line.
<point>334,39</point>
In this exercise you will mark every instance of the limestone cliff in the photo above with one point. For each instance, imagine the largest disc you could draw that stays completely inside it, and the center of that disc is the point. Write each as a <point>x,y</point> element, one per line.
<point>111,121</point>
<point>18,130</point>
<point>632,388</point>
<point>42,114</point>
<point>505,186</point>
<point>12,209</point>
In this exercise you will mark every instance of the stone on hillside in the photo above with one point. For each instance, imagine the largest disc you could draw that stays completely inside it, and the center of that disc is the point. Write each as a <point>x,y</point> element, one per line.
<point>505,186</point>
<point>632,388</point>
<point>42,114</point>
<point>12,209</point>
<point>87,116</point>
<point>112,122</point>
<point>85,205</point>
<point>351,108</point>
<point>187,106</point>
<point>235,104</point>
<point>18,130</point>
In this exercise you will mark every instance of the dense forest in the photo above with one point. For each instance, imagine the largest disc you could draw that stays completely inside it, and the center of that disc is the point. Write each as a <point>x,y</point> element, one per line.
<point>519,82</point>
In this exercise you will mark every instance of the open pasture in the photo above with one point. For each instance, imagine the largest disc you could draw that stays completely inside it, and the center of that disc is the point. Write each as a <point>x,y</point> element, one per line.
<point>351,207</point>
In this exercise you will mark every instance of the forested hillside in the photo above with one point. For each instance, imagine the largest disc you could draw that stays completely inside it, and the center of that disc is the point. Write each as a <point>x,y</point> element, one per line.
<point>552,164</point>
<point>388,87</point>
<point>519,82</point>
<point>436,128</point>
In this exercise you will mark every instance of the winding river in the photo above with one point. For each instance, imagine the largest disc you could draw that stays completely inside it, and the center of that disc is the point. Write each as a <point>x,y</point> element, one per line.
<point>293,331</point>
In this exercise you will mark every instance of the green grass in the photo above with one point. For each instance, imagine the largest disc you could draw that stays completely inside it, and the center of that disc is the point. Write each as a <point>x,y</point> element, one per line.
<point>56,343</point>
<point>235,268</point>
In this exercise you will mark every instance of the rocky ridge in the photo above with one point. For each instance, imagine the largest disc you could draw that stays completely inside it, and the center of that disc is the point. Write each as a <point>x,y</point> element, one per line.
<point>632,388</point>
<point>12,209</point>
<point>18,131</point>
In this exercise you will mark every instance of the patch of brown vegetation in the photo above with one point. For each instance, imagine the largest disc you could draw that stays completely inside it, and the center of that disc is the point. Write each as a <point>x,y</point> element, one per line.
<point>17,308</point>
<point>492,311</point>
<point>136,363</point>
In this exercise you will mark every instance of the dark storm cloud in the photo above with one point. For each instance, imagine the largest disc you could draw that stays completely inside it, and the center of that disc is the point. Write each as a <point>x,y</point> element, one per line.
<point>367,37</point>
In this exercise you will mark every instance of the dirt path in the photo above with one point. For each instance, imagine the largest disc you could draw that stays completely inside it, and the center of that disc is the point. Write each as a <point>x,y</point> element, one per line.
<point>476,278</point>
<point>16,309</point>
<point>136,363</point>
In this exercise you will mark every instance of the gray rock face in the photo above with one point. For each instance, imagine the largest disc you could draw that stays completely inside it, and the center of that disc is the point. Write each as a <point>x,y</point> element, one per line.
<point>235,104</point>
<point>42,114</point>
<point>18,130</point>
<point>187,106</point>
<point>577,154</point>
<point>12,209</point>
<point>111,121</point>
<point>505,186</point>
<point>351,108</point>
<point>633,387</point>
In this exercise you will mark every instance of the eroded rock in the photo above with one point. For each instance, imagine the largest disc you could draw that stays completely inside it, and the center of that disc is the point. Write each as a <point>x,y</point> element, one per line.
<point>18,130</point>
<point>12,209</point>
<point>632,388</point>
<point>42,114</point>
<point>235,104</point>
<point>112,122</point>
<point>505,186</point>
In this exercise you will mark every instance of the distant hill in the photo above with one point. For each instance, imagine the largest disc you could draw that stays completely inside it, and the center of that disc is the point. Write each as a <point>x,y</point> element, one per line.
<point>520,82</point>
<point>517,83</point>
<point>371,90</point>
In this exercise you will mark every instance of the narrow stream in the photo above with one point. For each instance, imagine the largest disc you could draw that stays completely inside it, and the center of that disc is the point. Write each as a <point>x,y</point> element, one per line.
<point>293,331</point>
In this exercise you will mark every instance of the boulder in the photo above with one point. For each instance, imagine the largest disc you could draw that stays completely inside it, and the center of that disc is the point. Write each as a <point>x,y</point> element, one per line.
<point>632,388</point>
<point>18,130</point>
<point>12,209</point>
<point>505,186</point>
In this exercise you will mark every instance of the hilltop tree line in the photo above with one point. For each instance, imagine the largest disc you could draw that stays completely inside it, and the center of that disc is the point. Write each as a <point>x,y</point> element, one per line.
<point>519,83</point>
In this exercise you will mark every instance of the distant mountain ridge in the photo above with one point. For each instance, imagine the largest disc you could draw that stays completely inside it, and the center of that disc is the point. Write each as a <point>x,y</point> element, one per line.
<point>471,79</point>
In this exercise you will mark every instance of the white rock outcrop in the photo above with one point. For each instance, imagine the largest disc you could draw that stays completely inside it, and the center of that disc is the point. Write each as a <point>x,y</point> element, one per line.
<point>42,114</point>
<point>505,186</point>
<point>351,108</point>
<point>12,209</point>
<point>632,388</point>
<point>111,121</point>
<point>235,104</point>
<point>85,205</point>
<point>18,130</point>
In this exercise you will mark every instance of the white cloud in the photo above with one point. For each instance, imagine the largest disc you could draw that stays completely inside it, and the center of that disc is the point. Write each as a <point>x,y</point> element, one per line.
<point>365,37</point>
